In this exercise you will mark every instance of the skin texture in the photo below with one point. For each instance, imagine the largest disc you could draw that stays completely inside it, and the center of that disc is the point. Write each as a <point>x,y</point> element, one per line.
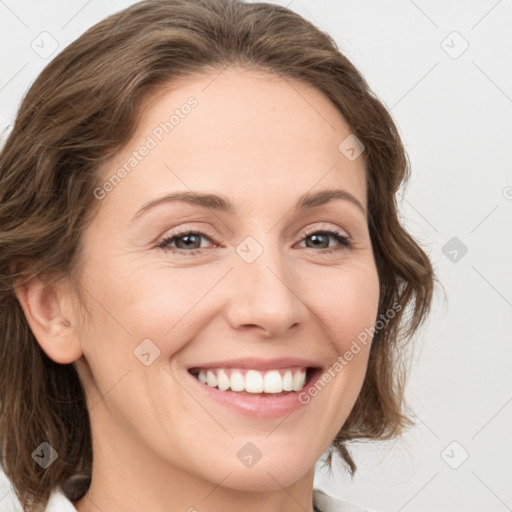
<point>159,443</point>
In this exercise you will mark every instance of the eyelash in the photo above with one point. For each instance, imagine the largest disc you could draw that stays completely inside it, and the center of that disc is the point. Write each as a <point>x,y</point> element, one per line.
<point>343,240</point>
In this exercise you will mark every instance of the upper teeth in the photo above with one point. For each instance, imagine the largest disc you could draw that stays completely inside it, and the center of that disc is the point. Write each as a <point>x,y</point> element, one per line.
<point>254,381</point>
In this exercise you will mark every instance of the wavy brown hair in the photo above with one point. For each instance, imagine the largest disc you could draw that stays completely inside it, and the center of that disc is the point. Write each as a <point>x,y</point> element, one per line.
<point>81,110</point>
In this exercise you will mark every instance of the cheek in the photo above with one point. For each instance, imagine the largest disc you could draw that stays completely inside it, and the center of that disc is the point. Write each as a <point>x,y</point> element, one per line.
<point>147,296</point>
<point>346,301</point>
<point>346,305</point>
<point>164,302</point>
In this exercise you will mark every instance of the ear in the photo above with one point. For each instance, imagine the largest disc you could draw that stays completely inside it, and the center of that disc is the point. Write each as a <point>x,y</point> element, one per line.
<point>48,309</point>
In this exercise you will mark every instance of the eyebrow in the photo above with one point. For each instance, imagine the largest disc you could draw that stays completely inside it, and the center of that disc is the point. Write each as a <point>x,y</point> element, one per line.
<point>222,203</point>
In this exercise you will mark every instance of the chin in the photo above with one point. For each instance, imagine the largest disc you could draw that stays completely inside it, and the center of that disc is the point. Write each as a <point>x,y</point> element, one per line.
<point>267,473</point>
<point>264,478</point>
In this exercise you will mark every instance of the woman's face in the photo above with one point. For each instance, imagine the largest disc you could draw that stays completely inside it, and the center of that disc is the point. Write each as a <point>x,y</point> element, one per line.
<point>255,287</point>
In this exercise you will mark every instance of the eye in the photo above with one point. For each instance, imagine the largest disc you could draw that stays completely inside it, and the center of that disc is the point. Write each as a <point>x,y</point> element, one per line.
<point>320,239</point>
<point>187,241</point>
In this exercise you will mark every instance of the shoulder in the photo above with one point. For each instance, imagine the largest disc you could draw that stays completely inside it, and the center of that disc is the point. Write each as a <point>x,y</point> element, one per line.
<point>326,503</point>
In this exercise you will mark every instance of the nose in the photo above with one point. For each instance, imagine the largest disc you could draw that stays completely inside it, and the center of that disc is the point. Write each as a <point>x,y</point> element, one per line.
<point>265,295</point>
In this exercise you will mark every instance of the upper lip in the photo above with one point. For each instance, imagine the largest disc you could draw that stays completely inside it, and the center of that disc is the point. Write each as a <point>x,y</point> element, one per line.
<point>255,363</point>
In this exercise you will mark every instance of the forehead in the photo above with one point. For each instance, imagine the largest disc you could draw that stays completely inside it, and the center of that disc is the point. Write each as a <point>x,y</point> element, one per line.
<point>245,132</point>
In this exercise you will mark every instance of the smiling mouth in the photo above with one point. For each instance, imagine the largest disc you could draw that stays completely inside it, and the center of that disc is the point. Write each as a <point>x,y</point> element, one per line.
<point>244,381</point>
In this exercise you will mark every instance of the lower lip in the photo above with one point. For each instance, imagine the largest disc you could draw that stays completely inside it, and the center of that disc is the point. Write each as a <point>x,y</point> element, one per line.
<point>258,406</point>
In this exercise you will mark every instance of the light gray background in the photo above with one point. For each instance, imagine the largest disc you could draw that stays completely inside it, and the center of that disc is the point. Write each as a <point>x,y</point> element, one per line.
<point>454,111</point>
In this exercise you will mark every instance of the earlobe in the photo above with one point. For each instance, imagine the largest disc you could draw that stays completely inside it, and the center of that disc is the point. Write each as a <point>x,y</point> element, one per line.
<point>47,308</point>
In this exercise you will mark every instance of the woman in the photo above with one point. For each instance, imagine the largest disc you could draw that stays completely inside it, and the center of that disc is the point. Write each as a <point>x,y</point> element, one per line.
<point>205,284</point>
